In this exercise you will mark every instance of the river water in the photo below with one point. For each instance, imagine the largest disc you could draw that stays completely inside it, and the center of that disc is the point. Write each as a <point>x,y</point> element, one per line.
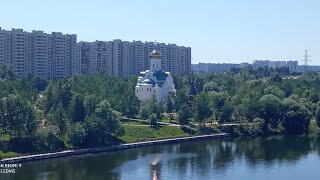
<point>277,157</point>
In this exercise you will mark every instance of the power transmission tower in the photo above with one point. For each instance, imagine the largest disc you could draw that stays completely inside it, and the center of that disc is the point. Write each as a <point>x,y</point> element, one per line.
<point>306,57</point>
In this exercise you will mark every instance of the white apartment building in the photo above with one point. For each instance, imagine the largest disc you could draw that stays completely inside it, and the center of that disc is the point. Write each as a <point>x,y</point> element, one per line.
<point>95,57</point>
<point>139,57</point>
<point>63,55</point>
<point>58,55</point>
<point>173,52</point>
<point>20,50</point>
<point>163,48</point>
<point>117,58</point>
<point>39,54</point>
<point>5,41</point>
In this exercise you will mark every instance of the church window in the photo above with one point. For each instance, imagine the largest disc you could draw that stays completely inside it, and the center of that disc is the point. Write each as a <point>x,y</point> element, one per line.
<point>152,65</point>
<point>137,91</point>
<point>154,91</point>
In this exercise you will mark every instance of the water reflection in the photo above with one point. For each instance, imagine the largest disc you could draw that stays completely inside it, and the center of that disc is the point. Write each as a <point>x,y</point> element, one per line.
<point>218,159</point>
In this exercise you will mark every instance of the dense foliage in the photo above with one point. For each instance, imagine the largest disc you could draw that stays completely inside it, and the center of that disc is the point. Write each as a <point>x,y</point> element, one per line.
<point>86,111</point>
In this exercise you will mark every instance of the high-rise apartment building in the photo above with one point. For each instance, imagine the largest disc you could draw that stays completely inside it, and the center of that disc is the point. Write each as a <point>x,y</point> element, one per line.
<point>57,55</point>
<point>163,48</point>
<point>39,54</point>
<point>292,65</point>
<point>139,57</point>
<point>20,50</point>
<point>173,54</point>
<point>5,41</point>
<point>96,57</point>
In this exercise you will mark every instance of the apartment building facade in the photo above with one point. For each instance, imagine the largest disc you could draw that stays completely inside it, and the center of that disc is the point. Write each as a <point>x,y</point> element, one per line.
<point>57,55</point>
<point>125,58</point>
<point>39,54</point>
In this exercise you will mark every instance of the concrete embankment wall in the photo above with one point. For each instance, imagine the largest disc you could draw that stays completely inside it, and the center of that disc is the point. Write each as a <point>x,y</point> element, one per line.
<point>110,148</point>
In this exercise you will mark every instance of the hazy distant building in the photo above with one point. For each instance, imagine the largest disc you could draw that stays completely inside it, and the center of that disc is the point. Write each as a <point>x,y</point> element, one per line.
<point>260,64</point>
<point>277,64</point>
<point>292,65</point>
<point>225,67</point>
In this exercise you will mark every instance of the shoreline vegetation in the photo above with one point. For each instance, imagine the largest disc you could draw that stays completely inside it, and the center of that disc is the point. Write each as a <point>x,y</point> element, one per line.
<point>39,115</point>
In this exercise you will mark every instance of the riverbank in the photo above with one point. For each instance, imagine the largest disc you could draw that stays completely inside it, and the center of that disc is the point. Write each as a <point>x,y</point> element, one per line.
<point>110,148</point>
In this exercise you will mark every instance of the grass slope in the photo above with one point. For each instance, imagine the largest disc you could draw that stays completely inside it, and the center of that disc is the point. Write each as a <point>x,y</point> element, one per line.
<point>141,133</point>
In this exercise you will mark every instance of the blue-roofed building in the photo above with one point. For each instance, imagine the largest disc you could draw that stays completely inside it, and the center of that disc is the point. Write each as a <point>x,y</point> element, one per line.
<point>154,82</point>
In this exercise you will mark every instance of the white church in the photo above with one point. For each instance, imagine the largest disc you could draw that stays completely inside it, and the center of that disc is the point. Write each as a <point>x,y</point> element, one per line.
<point>154,82</point>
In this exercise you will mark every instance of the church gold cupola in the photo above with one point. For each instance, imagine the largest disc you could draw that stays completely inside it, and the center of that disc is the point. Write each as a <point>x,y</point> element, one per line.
<point>155,58</point>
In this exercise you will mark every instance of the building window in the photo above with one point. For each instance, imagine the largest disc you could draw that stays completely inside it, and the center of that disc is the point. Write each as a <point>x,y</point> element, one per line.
<point>152,65</point>
<point>137,91</point>
<point>154,91</point>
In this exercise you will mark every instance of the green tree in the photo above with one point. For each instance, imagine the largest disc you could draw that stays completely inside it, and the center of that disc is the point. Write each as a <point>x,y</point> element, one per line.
<point>77,108</point>
<point>270,110</point>
<point>211,86</point>
<point>153,120</point>
<point>47,138</point>
<point>59,118</point>
<point>184,115</point>
<point>90,102</point>
<point>274,90</point>
<point>296,117</point>
<point>132,105</point>
<point>6,72</point>
<point>40,83</point>
<point>169,105</point>
<point>222,108</point>
<point>103,124</point>
<point>181,98</point>
<point>3,120</point>
<point>202,107</point>
<point>19,115</point>
<point>318,115</point>
<point>77,134</point>
<point>143,112</point>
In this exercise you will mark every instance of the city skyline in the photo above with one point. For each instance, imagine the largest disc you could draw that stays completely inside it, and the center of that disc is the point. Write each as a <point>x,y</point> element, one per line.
<point>58,55</point>
<point>224,31</point>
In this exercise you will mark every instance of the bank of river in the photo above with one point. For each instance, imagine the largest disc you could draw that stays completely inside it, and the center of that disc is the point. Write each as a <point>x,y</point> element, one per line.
<point>109,148</point>
<point>263,158</point>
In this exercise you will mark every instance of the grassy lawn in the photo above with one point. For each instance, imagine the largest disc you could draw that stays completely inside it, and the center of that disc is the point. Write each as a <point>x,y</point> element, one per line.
<point>7,154</point>
<point>140,133</point>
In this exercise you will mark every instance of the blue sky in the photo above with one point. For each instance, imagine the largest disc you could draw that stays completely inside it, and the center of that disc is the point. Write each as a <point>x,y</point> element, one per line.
<point>218,31</point>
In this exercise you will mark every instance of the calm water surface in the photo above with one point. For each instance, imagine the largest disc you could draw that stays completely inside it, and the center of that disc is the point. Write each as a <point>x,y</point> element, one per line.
<point>291,157</point>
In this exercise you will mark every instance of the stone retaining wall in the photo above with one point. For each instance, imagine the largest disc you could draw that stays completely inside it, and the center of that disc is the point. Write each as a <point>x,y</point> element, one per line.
<point>109,148</point>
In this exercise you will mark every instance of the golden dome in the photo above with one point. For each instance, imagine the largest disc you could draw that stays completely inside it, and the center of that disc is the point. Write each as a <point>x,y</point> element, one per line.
<point>155,54</point>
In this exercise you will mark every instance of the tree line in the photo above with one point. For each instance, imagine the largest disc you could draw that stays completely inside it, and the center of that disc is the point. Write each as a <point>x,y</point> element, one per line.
<point>82,111</point>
